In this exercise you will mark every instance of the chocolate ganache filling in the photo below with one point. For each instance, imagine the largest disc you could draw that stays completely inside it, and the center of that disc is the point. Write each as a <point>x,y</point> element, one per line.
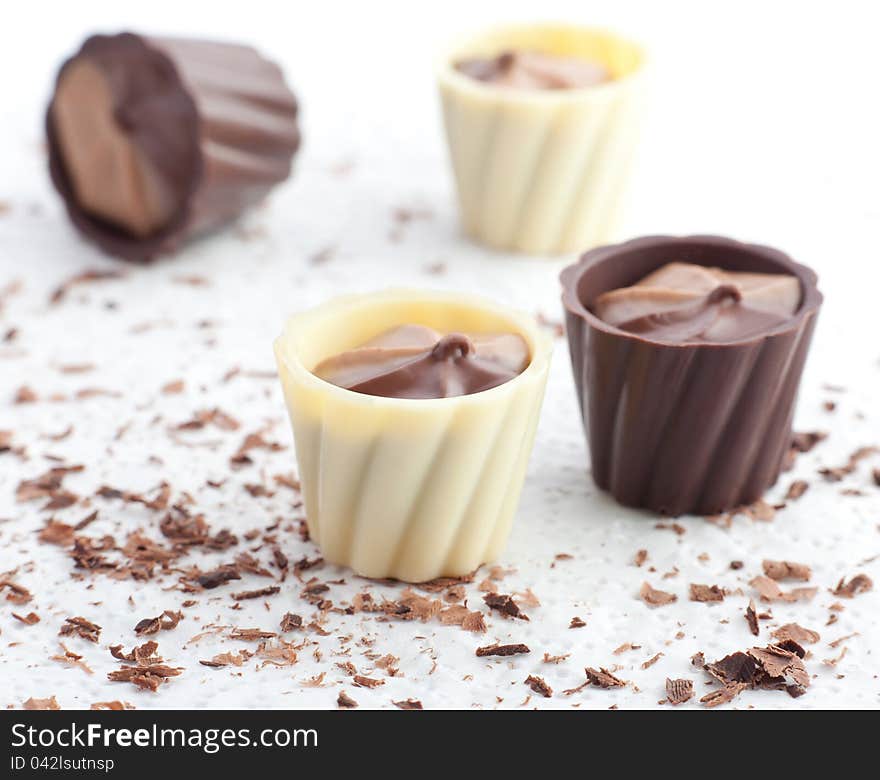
<point>535,70</point>
<point>682,302</point>
<point>414,361</point>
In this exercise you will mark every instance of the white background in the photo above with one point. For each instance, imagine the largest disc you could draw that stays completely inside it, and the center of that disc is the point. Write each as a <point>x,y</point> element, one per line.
<point>764,127</point>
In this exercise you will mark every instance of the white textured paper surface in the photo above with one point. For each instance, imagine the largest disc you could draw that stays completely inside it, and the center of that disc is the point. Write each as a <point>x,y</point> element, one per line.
<point>743,148</point>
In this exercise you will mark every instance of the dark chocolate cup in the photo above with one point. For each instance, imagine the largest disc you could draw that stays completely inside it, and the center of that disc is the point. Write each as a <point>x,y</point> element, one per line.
<point>217,120</point>
<point>684,428</point>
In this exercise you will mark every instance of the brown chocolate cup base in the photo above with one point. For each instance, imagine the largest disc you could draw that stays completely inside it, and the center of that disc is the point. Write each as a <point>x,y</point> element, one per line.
<point>681,428</point>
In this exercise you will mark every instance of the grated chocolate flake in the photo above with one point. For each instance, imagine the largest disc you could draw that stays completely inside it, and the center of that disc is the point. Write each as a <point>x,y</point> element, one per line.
<point>41,704</point>
<point>219,576</point>
<point>796,489</point>
<point>227,659</point>
<point>861,583</point>
<point>770,591</point>
<point>345,702</point>
<point>774,667</point>
<point>502,650</point>
<point>18,594</point>
<point>602,678</point>
<point>147,678</point>
<point>256,594</point>
<point>503,603</point>
<point>705,593</point>
<point>291,622</point>
<point>805,441</point>
<point>655,598</point>
<point>651,661</point>
<point>164,622</point>
<point>577,622</point>
<point>408,704</point>
<point>679,691</point>
<point>752,618</point>
<point>79,626</point>
<point>539,686</point>
<point>362,681</point>
<point>838,473</point>
<point>787,570</point>
<point>143,655</point>
<point>795,633</point>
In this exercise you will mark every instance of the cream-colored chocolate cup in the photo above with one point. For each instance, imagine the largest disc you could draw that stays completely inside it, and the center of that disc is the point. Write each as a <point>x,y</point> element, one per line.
<point>543,171</point>
<point>408,488</point>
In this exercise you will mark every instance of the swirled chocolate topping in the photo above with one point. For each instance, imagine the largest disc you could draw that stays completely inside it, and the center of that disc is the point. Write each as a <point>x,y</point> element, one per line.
<point>413,361</point>
<point>535,70</point>
<point>682,302</point>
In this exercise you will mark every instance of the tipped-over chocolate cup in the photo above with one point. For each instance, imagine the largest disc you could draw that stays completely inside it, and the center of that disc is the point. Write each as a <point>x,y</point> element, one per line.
<point>153,141</point>
<point>679,427</point>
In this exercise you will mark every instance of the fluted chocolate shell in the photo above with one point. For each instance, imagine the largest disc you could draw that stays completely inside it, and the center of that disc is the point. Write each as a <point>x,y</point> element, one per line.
<point>682,427</point>
<point>215,121</point>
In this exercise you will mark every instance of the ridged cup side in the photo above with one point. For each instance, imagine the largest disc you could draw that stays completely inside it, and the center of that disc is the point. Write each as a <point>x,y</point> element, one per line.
<point>543,172</point>
<point>684,428</point>
<point>412,489</point>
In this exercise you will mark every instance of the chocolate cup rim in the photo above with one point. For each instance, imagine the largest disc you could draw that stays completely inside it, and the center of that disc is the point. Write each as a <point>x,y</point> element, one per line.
<point>121,244</point>
<point>539,362</point>
<point>571,276</point>
<point>447,75</point>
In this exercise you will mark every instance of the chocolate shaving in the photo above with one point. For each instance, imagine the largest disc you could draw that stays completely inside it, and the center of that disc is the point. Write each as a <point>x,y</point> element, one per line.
<point>796,489</point>
<point>251,634</point>
<point>408,704</point>
<point>216,417</point>
<point>164,622</point>
<point>148,678</point>
<point>143,655</point>
<point>804,442</point>
<point>787,570</point>
<point>256,594</point>
<point>651,661</point>
<point>18,594</point>
<point>504,604</point>
<point>31,619</point>
<point>775,667</point>
<point>795,633</point>
<point>48,485</point>
<point>836,474</point>
<point>362,681</point>
<point>79,626</point>
<point>603,678</point>
<point>219,576</point>
<point>502,650</point>
<point>539,686</point>
<point>41,704</point>
<point>861,583</point>
<point>655,598</point>
<point>706,593</point>
<point>291,622</point>
<point>576,622</point>
<point>769,590</point>
<point>752,618</point>
<point>345,702</point>
<point>227,659</point>
<point>85,277</point>
<point>679,691</point>
<point>159,503</point>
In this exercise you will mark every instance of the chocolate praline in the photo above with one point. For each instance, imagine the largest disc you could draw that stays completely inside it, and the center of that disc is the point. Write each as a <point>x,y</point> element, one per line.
<point>159,140</point>
<point>678,427</point>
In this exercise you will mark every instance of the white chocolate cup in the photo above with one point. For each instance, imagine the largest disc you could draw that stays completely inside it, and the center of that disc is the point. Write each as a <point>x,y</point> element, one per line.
<point>408,488</point>
<point>543,171</point>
